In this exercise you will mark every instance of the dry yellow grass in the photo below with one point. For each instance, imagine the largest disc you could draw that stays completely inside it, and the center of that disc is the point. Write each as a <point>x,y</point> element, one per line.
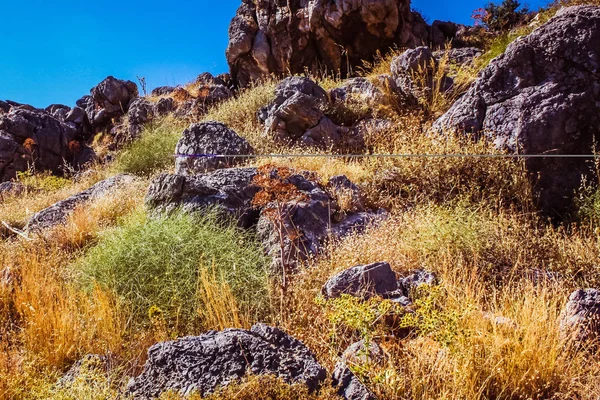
<point>488,264</point>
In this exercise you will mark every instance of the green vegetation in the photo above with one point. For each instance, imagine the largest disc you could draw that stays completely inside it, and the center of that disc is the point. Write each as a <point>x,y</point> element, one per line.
<point>153,151</point>
<point>155,266</point>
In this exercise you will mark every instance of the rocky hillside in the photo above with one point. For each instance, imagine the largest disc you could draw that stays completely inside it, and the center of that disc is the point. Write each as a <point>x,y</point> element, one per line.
<point>367,206</point>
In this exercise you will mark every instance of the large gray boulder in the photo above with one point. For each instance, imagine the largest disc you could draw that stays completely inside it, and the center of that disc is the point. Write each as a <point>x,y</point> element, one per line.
<point>205,363</point>
<point>34,138</point>
<point>200,144</point>
<point>365,281</point>
<point>581,317</point>
<point>269,37</point>
<point>58,213</point>
<point>229,190</point>
<point>541,97</point>
<point>110,99</point>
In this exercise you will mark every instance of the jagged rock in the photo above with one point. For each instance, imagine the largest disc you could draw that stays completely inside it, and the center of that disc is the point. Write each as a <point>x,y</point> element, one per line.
<point>86,368</point>
<point>109,100</point>
<point>58,111</point>
<point>278,38</point>
<point>205,363</point>
<point>57,213</point>
<point>541,97</point>
<point>363,281</point>
<point>230,190</point>
<point>581,316</point>
<point>294,229</point>
<point>35,138</point>
<point>297,116</point>
<point>200,142</point>
<point>358,354</point>
<point>419,62</point>
<point>162,90</point>
<point>164,107</point>
<point>416,279</point>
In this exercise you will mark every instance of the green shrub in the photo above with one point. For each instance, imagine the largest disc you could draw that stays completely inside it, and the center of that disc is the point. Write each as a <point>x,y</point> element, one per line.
<point>153,151</point>
<point>156,265</point>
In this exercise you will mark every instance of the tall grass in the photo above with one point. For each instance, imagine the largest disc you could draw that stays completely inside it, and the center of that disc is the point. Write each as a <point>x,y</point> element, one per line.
<point>153,151</point>
<point>173,265</point>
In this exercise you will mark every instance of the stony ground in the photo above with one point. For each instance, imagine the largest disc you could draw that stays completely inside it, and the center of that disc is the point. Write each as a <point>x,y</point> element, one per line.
<point>156,271</point>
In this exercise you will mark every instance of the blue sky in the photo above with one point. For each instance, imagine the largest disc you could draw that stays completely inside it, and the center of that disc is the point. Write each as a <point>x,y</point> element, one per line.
<point>54,52</point>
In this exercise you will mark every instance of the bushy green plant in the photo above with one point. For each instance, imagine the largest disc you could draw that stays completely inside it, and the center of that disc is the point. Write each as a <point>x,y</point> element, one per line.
<point>157,264</point>
<point>432,319</point>
<point>153,151</point>
<point>42,181</point>
<point>352,313</point>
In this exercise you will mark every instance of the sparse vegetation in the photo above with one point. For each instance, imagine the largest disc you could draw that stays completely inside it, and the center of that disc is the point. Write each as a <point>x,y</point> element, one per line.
<point>114,280</point>
<point>153,151</point>
<point>181,269</point>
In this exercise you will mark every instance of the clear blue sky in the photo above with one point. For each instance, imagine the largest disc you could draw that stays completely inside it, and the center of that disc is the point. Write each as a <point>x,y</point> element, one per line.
<point>54,52</point>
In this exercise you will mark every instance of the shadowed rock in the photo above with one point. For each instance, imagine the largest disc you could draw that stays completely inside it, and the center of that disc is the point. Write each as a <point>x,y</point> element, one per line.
<point>542,96</point>
<point>364,281</point>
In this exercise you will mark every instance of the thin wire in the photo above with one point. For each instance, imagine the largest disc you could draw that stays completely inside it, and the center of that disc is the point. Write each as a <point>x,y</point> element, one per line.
<point>590,156</point>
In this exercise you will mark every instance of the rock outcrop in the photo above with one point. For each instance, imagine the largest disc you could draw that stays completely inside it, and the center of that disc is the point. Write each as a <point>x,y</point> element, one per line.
<point>32,138</point>
<point>200,144</point>
<point>108,101</point>
<point>268,37</point>
<point>202,364</point>
<point>297,116</point>
<point>541,97</point>
<point>58,213</point>
<point>228,190</point>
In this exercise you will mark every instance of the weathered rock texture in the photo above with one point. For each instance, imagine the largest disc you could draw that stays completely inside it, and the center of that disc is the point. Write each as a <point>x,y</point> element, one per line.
<point>363,281</point>
<point>57,213</point>
<point>197,149</point>
<point>581,316</point>
<point>228,190</point>
<point>542,96</point>
<point>273,37</point>
<point>205,363</point>
<point>298,116</point>
<point>32,138</point>
<point>108,101</point>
